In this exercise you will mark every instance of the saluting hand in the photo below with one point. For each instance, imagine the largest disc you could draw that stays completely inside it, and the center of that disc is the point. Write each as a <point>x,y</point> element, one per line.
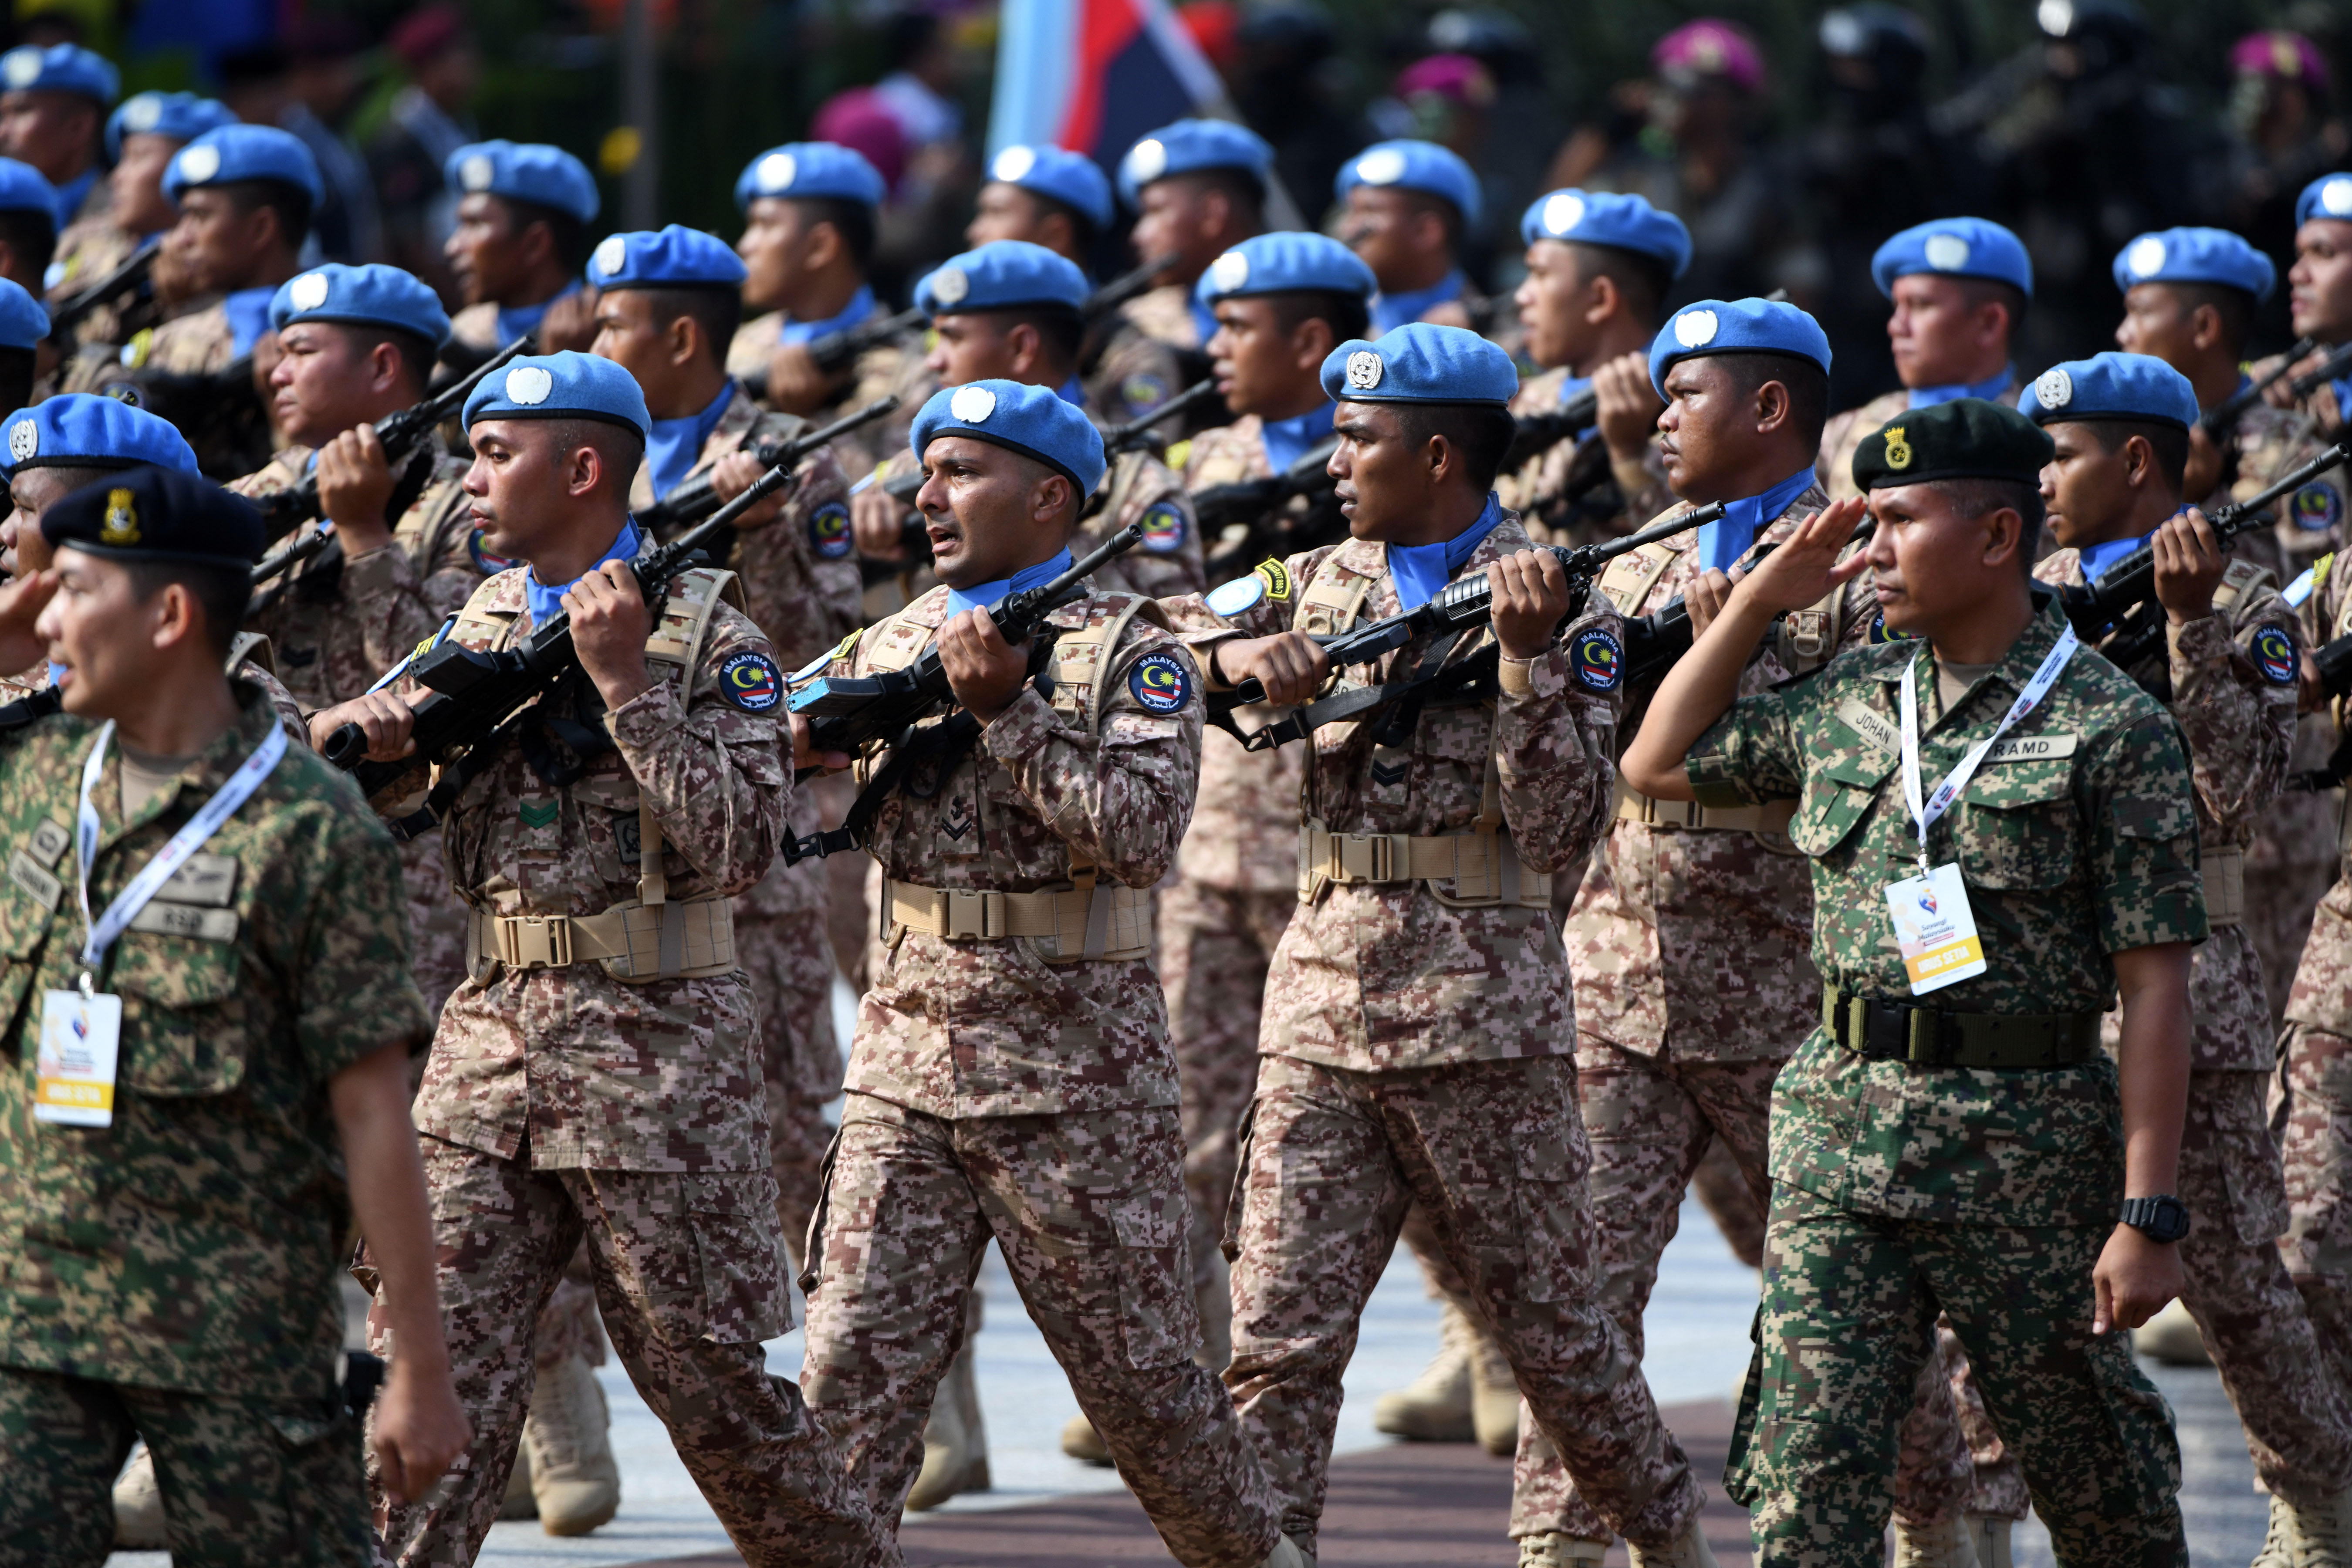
<point>1805,566</point>
<point>22,645</point>
<point>2189,565</point>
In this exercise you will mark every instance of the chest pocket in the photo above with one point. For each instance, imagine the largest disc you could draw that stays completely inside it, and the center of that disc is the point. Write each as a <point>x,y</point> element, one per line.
<point>178,995</point>
<point>2016,825</point>
<point>30,899</point>
<point>1835,798</point>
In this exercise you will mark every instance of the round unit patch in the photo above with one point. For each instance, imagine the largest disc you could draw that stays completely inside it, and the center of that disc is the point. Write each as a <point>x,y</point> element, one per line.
<point>1142,392</point>
<point>491,566</point>
<point>1947,252</point>
<point>2146,257</point>
<point>972,404</point>
<point>777,172</point>
<point>1382,166</point>
<point>2336,196</point>
<point>2274,654</point>
<point>2317,508</point>
<point>1011,164</point>
<point>198,164</point>
<point>2053,389</point>
<point>477,173</point>
<point>1164,528</point>
<point>1364,369</point>
<point>1228,272</point>
<point>1598,658</point>
<point>1161,682</point>
<point>23,441</point>
<point>1694,329</point>
<point>612,255</point>
<point>1147,160</point>
<point>1562,212</point>
<point>529,384</point>
<point>950,285</point>
<point>308,291</point>
<point>1878,632</point>
<point>828,527</point>
<point>752,683</point>
<point>1229,599</point>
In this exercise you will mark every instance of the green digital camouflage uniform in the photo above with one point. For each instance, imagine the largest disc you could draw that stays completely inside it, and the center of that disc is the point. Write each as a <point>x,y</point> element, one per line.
<point>176,1274</point>
<point>1901,1189</point>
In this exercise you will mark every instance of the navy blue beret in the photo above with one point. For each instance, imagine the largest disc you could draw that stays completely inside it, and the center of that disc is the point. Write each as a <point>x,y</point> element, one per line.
<point>566,386</point>
<point>1954,247</point>
<point>1604,217</point>
<point>1190,145</point>
<point>1290,261</point>
<point>61,68</point>
<point>182,116</point>
<point>373,295</point>
<point>810,171</point>
<point>2110,385</point>
<point>157,514</point>
<point>229,154</point>
<point>1010,414</point>
<point>23,190</point>
<point>1073,179</point>
<point>671,257</point>
<point>2330,195</point>
<point>23,321</point>
<point>530,172</point>
<point>83,430</point>
<point>1736,326</point>
<point>1412,165</point>
<point>2195,255</point>
<point>999,275</point>
<point>1420,363</point>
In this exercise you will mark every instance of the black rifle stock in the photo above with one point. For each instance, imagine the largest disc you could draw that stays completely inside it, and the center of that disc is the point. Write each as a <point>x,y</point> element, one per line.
<point>1653,642</point>
<point>1539,432</point>
<point>835,352</point>
<point>2223,416</point>
<point>698,497</point>
<point>131,275</point>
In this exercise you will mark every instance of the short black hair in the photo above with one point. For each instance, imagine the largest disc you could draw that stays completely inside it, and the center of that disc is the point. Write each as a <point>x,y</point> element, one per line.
<point>291,203</point>
<point>2235,306</point>
<point>417,354</point>
<point>221,589</point>
<point>2167,441</point>
<point>1083,236</point>
<point>619,445</point>
<point>1641,278</point>
<point>1481,432</point>
<point>1447,214</point>
<point>33,236</point>
<point>566,232</point>
<point>1979,291</point>
<point>1062,330</point>
<point>17,367</point>
<point>1808,385</point>
<point>717,311</point>
<point>854,221</point>
<point>1244,189</point>
<point>1977,495</point>
<point>1347,315</point>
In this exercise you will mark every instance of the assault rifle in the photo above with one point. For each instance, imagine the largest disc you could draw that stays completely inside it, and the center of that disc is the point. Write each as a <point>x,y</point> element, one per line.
<point>696,499</point>
<point>1539,432</point>
<point>1127,286</point>
<point>1653,642</point>
<point>481,700</point>
<point>1254,504</point>
<point>836,351</point>
<point>129,276</point>
<point>1460,606</point>
<point>2223,416</point>
<point>1136,434</point>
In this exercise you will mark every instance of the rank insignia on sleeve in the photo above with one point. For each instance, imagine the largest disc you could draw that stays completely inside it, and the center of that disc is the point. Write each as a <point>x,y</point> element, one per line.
<point>1598,659</point>
<point>538,814</point>
<point>2274,654</point>
<point>1277,577</point>
<point>1161,682</point>
<point>2318,507</point>
<point>752,683</point>
<point>828,527</point>
<point>1164,528</point>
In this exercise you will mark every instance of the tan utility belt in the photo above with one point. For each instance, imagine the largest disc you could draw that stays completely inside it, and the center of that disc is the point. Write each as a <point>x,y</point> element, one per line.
<point>1483,866</point>
<point>1103,921</point>
<point>1902,1031</point>
<point>2224,867</point>
<point>635,942</point>
<point>1633,807</point>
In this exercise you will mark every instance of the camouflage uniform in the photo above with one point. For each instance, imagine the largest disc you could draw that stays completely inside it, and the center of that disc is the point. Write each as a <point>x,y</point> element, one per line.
<point>1901,1189</point>
<point>1016,1088</point>
<point>620,1098</point>
<point>1136,372</point>
<point>174,1275</point>
<point>1539,489</point>
<point>1845,432</point>
<point>1414,1050</point>
<point>893,367</point>
<point>87,250</point>
<point>475,327</point>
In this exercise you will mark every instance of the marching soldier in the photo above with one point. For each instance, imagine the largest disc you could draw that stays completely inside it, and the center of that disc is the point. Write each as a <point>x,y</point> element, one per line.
<point>2319,301</point>
<point>142,136</point>
<point>521,234</point>
<point>1047,196</point>
<point>1406,208</point>
<point>53,105</point>
<point>1950,1134</point>
<point>536,1131</point>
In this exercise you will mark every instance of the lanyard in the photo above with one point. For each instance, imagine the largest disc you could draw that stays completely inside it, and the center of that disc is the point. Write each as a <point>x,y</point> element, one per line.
<point>192,836</point>
<point>1925,813</point>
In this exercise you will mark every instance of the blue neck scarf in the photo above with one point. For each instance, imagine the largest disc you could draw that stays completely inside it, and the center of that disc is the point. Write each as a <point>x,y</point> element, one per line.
<point>1988,389</point>
<point>1287,440</point>
<point>1072,392</point>
<point>2343,390</point>
<point>514,321</point>
<point>1419,570</point>
<point>73,193</point>
<point>675,444</point>
<point>248,317</point>
<point>983,595</point>
<point>546,603</point>
<point>1391,312</point>
<point>1572,387</point>
<point>2098,558</point>
<point>1721,543</point>
<point>860,306</point>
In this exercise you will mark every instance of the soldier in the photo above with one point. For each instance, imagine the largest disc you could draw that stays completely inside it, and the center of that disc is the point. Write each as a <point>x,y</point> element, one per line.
<point>1960,287</point>
<point>245,194</point>
<point>28,231</point>
<point>182,1175</point>
<point>522,234</point>
<point>1970,1152</point>
<point>1386,1076</point>
<point>1599,267</point>
<point>2319,301</point>
<point>1047,196</point>
<point>1017,886</point>
<point>535,1130</point>
<point>1406,208</point>
<point>53,105</point>
<point>142,136</point>
<point>1198,189</point>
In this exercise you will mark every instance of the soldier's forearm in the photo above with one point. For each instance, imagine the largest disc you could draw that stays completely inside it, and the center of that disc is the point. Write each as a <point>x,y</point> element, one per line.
<point>2152,1058</point>
<point>1698,689</point>
<point>387,1193</point>
<point>713,806</point>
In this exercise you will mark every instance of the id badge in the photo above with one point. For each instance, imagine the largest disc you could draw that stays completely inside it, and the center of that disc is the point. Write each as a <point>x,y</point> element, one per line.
<point>73,1080</point>
<point>1936,930</point>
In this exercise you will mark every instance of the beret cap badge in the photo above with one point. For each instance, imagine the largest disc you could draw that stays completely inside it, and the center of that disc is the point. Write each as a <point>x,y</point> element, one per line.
<point>1012,163</point>
<point>1148,159</point>
<point>1898,451</point>
<point>1364,370</point>
<point>2337,197</point>
<point>973,405</point>
<point>142,112</point>
<point>1381,166</point>
<point>2053,389</point>
<point>612,255</point>
<point>477,173</point>
<point>310,292</point>
<point>22,68</point>
<point>1694,329</point>
<point>2146,257</point>
<point>777,171</point>
<point>199,163</point>
<point>1562,212</point>
<point>950,285</point>
<point>1945,252</point>
<point>121,525</point>
<point>1229,271</point>
<point>23,440</point>
<point>529,384</point>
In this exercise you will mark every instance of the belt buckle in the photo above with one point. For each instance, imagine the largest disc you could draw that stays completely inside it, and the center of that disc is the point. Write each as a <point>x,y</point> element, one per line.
<point>535,942</point>
<point>1885,1031</point>
<point>965,916</point>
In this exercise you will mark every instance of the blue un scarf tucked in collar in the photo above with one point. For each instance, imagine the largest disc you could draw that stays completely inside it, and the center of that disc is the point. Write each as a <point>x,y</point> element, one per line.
<point>1072,392</point>
<point>514,321</point>
<point>1287,440</point>
<point>860,306</point>
<point>1419,570</point>
<point>1722,544</point>
<point>546,603</point>
<point>1988,389</point>
<point>2098,558</point>
<point>247,311</point>
<point>1391,312</point>
<point>982,595</point>
<point>675,444</point>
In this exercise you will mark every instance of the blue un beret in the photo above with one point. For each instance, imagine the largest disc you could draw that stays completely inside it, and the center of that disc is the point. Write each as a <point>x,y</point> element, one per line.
<point>182,116</point>
<point>1604,217</point>
<point>1954,247</point>
<point>2330,195</point>
<point>809,170</point>
<point>566,385</point>
<point>2195,255</point>
<point>530,172</point>
<point>1420,363</point>
<point>1188,146</point>
<point>1030,419</point>
<point>61,68</point>
<point>83,430</point>
<point>2110,385</point>
<point>157,514</point>
<point>670,258</point>
<point>23,322</point>
<point>1073,179</point>
<point>998,276</point>
<point>1291,261</point>
<point>373,295</point>
<point>1735,327</point>
<point>1421,166</point>
<point>23,190</point>
<point>235,152</point>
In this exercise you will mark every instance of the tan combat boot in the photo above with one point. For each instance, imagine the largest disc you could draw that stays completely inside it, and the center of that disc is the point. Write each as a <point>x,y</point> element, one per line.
<point>1438,1406</point>
<point>955,1439</point>
<point>1081,1441</point>
<point>2317,1535</point>
<point>1493,1396</point>
<point>1286,1554</point>
<point>1550,1549</point>
<point>1989,1537</point>
<point>1945,1544</point>
<point>2171,1337</point>
<point>519,1503</point>
<point>2275,1552</point>
<point>569,1434</point>
<point>139,1506</point>
<point>1689,1549</point>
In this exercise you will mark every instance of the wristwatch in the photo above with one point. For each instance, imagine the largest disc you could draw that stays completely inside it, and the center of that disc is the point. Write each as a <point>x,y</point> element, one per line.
<point>2164,1219</point>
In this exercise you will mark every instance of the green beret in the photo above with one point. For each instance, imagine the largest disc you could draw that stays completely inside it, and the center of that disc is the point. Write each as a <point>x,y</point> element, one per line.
<point>1967,438</point>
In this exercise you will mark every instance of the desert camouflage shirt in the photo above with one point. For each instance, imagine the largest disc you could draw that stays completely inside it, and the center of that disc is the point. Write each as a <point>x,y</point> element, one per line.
<point>1845,434</point>
<point>1540,490</point>
<point>893,367</point>
<point>1136,372</point>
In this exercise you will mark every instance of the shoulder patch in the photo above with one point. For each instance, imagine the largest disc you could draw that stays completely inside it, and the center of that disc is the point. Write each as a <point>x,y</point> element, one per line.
<point>828,531</point>
<point>490,565</point>
<point>1161,682</point>
<point>1142,392</point>
<point>1178,454</point>
<point>1598,659</point>
<point>1276,578</point>
<point>750,682</point>
<point>2274,654</point>
<point>1164,528</point>
<point>1229,599</point>
<point>1878,632</point>
<point>2317,508</point>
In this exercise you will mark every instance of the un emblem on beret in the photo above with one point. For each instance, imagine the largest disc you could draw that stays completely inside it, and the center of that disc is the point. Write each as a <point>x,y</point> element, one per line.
<point>1381,166</point>
<point>1364,369</point>
<point>1562,212</point>
<point>777,172</point>
<point>199,163</point>
<point>612,254</point>
<point>308,291</point>
<point>21,67</point>
<point>2336,199</point>
<point>23,441</point>
<point>529,384</point>
<point>1148,160</point>
<point>1229,272</point>
<point>476,173</point>
<point>1947,252</point>
<point>1694,329</point>
<point>2054,388</point>
<point>950,285</point>
<point>1013,164</point>
<point>972,404</point>
<point>2146,257</point>
<point>142,113</point>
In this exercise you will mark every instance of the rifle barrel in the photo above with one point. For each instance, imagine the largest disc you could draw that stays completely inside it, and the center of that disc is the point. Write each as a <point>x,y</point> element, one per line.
<point>1119,437</point>
<point>2223,416</point>
<point>1126,286</point>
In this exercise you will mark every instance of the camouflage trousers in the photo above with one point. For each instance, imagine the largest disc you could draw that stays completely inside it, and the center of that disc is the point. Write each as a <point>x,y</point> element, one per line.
<point>790,962</point>
<point>2313,1123</point>
<point>1494,1154</point>
<point>688,1275</point>
<point>244,1480</point>
<point>1088,1210</point>
<point>1842,1331</point>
